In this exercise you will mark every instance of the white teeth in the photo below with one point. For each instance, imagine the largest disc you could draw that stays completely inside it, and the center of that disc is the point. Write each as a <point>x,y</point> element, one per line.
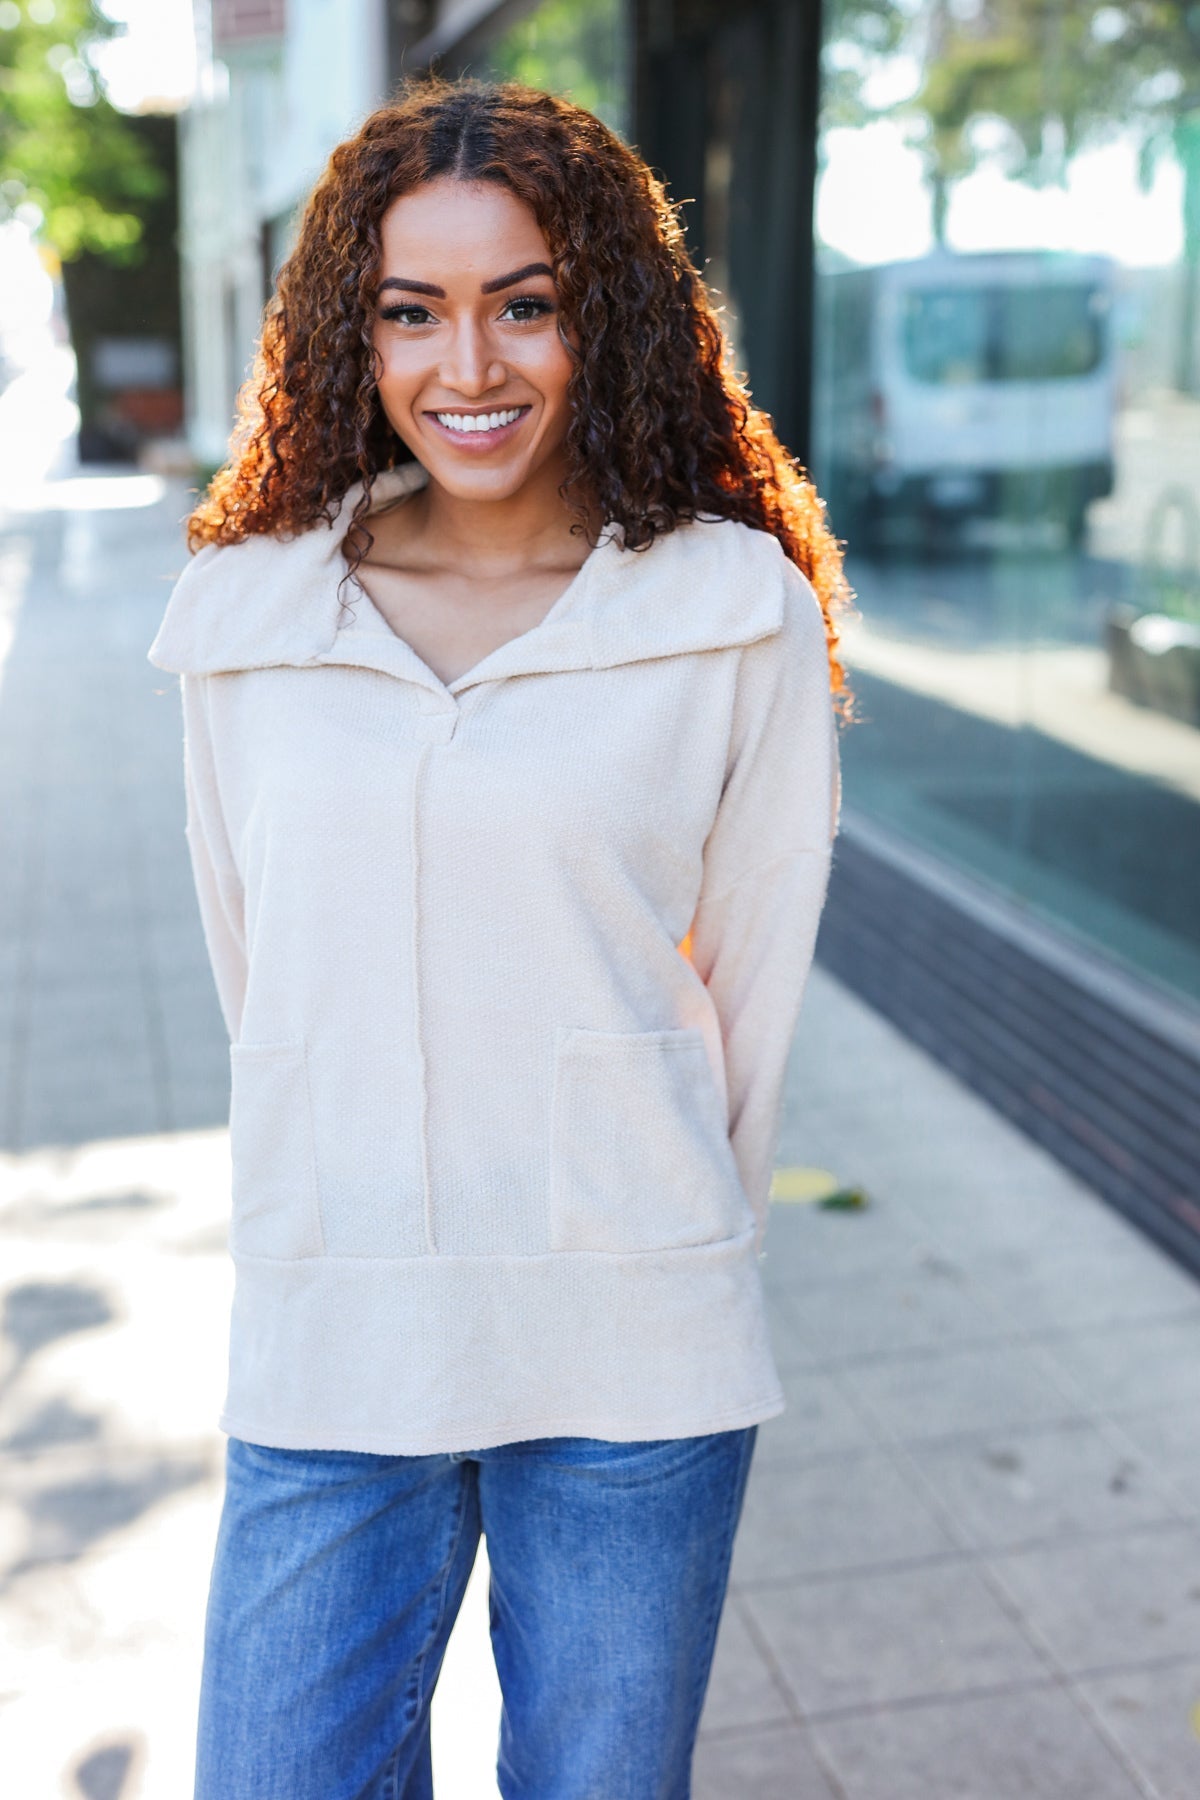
<point>477,421</point>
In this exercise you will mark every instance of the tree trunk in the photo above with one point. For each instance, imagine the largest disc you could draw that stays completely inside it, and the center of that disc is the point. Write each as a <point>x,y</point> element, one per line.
<point>1187,149</point>
<point>939,194</point>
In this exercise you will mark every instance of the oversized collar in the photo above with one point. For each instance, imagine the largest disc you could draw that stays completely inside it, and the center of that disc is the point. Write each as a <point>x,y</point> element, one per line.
<point>267,601</point>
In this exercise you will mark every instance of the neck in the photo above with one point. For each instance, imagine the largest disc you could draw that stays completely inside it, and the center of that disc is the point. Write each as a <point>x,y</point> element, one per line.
<point>530,526</point>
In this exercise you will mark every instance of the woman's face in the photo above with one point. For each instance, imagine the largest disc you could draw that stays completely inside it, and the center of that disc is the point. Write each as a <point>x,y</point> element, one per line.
<point>472,371</point>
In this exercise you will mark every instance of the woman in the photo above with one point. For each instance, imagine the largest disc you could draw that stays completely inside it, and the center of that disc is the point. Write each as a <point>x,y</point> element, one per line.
<point>508,678</point>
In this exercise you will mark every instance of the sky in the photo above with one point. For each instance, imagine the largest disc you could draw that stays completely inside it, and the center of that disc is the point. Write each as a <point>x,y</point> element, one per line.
<point>873,206</point>
<point>155,60</point>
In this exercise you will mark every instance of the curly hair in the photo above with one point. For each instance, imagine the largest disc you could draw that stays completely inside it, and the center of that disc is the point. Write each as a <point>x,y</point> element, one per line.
<point>661,427</point>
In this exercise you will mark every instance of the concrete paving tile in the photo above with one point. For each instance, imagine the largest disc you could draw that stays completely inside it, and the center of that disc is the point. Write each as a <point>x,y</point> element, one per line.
<point>10,1080</point>
<point>819,1421</point>
<point>11,1014</point>
<point>73,954</point>
<point>979,1193</point>
<point>1110,1283</point>
<point>86,859</point>
<point>1133,1367</point>
<point>966,1388</point>
<point>87,1065</point>
<point>195,1105</point>
<point>761,1765</point>
<point>1155,1716</point>
<point>166,908</point>
<point>980,1216</point>
<point>742,1691</point>
<point>79,1016</point>
<point>806,1246</point>
<point>890,1635</point>
<point>1169,1438</point>
<point>84,954</point>
<point>115,1340</point>
<point>926,1300</point>
<point>105,1659</point>
<point>918,1121</point>
<point>160,808</point>
<point>791,1352</point>
<point>921,1131</point>
<point>202,1056</point>
<point>1036,1745</point>
<point>81,1118</point>
<point>1111,1600</point>
<point>843,1512</point>
<point>1004,1490</point>
<point>188,1006</point>
<point>169,925</point>
<point>175,939</point>
<point>60,1507</point>
<point>74,1046</point>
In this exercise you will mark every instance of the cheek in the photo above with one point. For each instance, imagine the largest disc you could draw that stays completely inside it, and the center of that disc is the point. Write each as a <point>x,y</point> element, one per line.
<point>554,373</point>
<point>389,368</point>
<point>396,385</point>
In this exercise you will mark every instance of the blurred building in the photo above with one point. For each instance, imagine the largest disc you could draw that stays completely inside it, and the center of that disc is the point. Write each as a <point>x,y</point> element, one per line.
<point>279,82</point>
<point>971,301</point>
<point>125,318</point>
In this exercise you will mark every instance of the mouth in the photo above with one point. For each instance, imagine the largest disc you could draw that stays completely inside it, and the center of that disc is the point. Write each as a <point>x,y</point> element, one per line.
<point>478,431</point>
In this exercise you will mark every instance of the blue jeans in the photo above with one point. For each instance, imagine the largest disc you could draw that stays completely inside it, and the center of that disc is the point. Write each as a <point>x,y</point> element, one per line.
<point>338,1576</point>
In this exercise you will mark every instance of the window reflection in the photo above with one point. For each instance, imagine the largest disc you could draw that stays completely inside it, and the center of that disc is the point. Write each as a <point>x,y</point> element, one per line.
<point>1007,430</point>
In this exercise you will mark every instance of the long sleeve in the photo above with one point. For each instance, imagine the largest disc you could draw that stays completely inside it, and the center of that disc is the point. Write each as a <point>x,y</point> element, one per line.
<point>766,869</point>
<point>218,886</point>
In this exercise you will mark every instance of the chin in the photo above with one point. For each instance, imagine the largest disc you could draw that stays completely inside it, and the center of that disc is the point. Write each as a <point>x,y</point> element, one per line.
<point>478,484</point>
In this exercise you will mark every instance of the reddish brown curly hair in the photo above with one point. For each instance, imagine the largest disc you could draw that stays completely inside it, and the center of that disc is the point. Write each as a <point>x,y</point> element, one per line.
<point>661,429</point>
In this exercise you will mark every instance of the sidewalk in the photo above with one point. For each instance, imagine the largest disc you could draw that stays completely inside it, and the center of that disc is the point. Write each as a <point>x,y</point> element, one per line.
<point>969,1566</point>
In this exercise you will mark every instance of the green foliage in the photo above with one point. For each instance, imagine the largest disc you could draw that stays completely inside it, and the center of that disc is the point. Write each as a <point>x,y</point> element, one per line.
<point>570,47</point>
<point>1026,83</point>
<point>63,148</point>
<point>859,36</point>
<point>1092,68</point>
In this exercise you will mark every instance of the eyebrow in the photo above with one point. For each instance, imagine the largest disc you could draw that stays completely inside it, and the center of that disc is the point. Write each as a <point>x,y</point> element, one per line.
<point>505,281</point>
<point>485,287</point>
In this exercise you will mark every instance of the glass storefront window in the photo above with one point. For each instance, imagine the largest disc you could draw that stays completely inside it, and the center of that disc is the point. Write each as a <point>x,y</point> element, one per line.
<point>1007,430</point>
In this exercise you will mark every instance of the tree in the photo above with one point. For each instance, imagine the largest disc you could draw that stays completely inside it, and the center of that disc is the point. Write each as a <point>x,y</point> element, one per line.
<point>569,47</point>
<point>860,36</point>
<point>1033,82</point>
<point>64,149</point>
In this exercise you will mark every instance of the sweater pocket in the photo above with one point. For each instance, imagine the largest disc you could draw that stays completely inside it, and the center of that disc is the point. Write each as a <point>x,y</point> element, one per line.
<point>275,1206</point>
<point>640,1151</point>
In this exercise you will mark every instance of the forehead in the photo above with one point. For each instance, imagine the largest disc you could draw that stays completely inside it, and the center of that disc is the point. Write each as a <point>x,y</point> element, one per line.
<point>469,228</point>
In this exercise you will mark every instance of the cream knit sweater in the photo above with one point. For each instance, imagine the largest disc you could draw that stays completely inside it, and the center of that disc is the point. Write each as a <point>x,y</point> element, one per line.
<point>510,967</point>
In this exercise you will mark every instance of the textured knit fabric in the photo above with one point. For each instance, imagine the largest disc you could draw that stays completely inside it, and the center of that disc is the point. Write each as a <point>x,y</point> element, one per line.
<point>511,967</point>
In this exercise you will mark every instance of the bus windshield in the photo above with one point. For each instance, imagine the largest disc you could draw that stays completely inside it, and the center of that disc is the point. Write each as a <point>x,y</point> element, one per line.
<point>957,335</point>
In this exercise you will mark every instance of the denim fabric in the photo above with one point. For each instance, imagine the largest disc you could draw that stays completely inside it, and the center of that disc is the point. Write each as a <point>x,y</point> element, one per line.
<point>338,1576</point>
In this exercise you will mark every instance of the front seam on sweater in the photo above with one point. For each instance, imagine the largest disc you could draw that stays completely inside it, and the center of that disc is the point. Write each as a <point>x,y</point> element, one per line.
<point>415,853</point>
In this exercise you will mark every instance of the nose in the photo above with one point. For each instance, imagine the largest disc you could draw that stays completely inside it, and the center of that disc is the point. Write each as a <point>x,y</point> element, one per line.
<point>471,366</point>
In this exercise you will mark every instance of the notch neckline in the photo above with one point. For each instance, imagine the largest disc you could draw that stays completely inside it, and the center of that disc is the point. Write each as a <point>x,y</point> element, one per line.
<point>478,669</point>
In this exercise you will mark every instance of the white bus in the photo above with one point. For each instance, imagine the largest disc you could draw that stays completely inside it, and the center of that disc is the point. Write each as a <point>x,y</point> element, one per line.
<point>965,386</point>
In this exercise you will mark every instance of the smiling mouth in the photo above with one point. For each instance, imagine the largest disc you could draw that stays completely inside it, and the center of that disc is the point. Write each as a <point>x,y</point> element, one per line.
<point>479,430</point>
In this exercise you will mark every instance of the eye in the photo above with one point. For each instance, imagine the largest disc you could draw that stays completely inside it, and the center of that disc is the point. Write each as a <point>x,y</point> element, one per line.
<point>528,306</point>
<point>404,314</point>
